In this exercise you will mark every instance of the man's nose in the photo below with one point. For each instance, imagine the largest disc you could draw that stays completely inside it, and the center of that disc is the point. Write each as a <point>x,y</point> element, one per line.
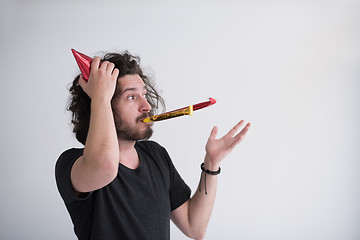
<point>145,106</point>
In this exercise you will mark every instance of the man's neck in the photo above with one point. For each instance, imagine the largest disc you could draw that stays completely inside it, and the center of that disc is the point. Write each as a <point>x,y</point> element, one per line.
<point>128,154</point>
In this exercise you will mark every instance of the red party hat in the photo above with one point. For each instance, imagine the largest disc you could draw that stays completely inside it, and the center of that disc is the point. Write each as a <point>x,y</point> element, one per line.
<point>84,63</point>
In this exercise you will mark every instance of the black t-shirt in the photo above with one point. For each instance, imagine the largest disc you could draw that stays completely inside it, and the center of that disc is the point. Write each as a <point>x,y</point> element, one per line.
<point>135,205</point>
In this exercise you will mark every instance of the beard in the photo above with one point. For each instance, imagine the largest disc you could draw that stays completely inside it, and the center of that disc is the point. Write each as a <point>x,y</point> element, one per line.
<point>133,133</point>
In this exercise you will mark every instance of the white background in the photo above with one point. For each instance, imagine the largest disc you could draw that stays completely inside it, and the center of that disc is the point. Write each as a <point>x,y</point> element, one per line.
<point>291,68</point>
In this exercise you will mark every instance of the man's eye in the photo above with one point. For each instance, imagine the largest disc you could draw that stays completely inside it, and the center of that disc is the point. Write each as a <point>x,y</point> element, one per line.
<point>145,95</point>
<point>131,97</point>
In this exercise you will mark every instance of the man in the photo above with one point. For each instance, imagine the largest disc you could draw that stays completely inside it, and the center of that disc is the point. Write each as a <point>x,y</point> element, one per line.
<point>120,185</point>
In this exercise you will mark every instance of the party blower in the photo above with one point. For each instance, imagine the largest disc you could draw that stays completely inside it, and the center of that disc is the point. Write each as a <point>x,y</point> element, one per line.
<point>181,111</point>
<point>84,62</point>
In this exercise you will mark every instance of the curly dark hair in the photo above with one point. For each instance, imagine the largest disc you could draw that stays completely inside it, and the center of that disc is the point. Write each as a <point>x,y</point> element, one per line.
<point>80,102</point>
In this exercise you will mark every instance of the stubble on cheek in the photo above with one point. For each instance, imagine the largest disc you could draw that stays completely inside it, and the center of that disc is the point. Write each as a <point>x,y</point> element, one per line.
<point>135,132</point>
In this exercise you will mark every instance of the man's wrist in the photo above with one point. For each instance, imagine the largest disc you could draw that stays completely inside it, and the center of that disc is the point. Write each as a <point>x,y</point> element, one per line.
<point>210,165</point>
<point>211,168</point>
<point>206,173</point>
<point>213,173</point>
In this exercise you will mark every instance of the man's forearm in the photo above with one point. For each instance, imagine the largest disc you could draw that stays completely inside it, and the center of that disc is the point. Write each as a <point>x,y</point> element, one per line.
<point>194,215</point>
<point>201,204</point>
<point>101,142</point>
<point>99,163</point>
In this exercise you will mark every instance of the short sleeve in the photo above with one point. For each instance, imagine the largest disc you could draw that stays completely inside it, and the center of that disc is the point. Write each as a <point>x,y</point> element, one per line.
<point>62,174</point>
<point>179,190</point>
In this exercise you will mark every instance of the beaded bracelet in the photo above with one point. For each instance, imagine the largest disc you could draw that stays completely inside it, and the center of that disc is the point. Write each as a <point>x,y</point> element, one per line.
<point>202,166</point>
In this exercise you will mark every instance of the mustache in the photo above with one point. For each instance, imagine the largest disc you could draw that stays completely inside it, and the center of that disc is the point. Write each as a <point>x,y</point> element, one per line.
<point>142,116</point>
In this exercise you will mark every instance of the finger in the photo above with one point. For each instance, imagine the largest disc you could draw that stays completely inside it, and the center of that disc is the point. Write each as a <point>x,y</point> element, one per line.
<point>115,73</point>
<point>95,63</point>
<point>104,65</point>
<point>235,128</point>
<point>242,134</point>
<point>110,67</point>
<point>213,133</point>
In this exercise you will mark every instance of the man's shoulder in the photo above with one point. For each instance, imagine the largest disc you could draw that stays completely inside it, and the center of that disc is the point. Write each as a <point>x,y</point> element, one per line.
<point>69,155</point>
<point>71,152</point>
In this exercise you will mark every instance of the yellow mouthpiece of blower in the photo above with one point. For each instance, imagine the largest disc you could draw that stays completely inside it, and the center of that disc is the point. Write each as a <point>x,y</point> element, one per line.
<point>172,114</point>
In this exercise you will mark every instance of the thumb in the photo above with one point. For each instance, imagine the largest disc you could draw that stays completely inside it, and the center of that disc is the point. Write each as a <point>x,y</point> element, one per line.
<point>83,85</point>
<point>82,81</point>
<point>213,133</point>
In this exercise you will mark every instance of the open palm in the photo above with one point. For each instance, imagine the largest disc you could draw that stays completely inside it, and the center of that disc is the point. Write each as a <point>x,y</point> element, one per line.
<point>217,149</point>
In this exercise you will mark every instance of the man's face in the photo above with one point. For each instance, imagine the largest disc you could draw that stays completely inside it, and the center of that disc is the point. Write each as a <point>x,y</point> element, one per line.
<point>130,107</point>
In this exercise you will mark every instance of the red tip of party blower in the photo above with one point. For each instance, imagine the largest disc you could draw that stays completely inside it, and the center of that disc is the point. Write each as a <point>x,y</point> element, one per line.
<point>212,101</point>
<point>84,63</point>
